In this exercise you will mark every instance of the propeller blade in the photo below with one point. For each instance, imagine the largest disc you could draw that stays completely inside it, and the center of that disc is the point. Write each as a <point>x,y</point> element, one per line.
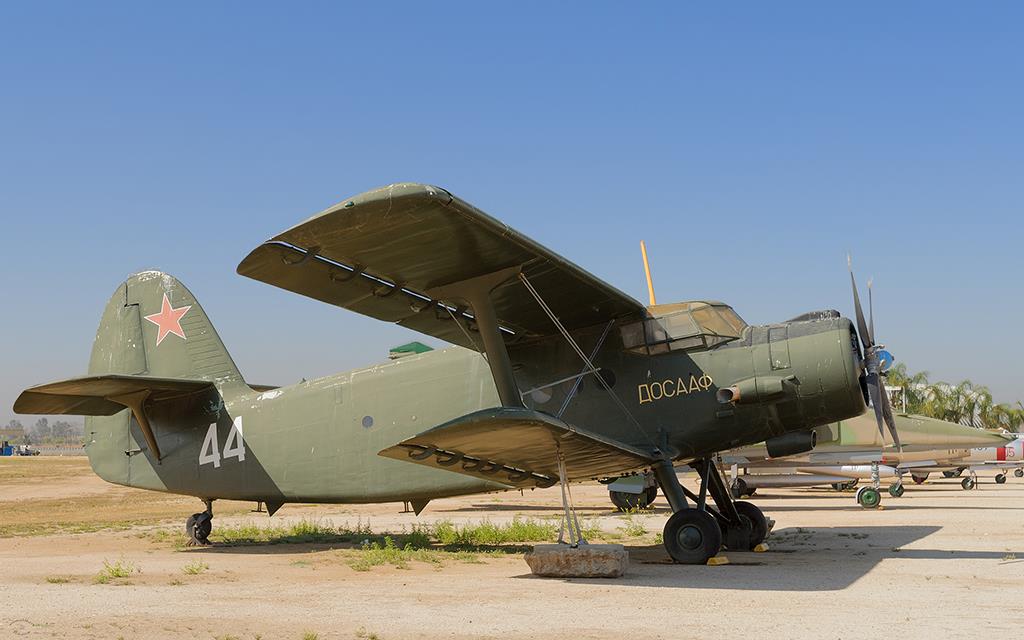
<point>871,311</point>
<point>876,402</point>
<point>866,338</point>
<point>890,421</point>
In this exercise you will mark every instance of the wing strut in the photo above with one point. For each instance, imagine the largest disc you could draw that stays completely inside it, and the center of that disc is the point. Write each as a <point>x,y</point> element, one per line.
<point>477,292</point>
<point>587,362</point>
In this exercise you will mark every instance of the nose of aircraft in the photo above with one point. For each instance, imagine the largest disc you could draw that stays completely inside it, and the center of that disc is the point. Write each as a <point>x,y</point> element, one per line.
<point>806,371</point>
<point>822,355</point>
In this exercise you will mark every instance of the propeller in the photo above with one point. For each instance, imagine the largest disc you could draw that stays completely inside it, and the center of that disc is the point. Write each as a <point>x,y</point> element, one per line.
<point>873,368</point>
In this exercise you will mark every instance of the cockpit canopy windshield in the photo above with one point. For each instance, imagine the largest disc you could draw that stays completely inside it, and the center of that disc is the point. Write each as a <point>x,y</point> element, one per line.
<point>683,326</point>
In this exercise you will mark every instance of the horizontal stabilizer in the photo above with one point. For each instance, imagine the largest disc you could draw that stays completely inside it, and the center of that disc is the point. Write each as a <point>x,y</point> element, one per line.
<point>518,447</point>
<point>102,395</point>
<point>106,395</point>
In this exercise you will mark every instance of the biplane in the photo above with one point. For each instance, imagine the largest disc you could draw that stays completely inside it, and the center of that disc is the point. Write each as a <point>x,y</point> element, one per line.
<point>553,376</point>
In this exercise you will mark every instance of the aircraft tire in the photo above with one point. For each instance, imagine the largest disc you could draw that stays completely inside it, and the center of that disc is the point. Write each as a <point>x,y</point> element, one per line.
<point>968,483</point>
<point>758,523</point>
<point>198,528</point>
<point>625,501</point>
<point>869,497</point>
<point>1000,478</point>
<point>692,536</point>
<point>738,489</point>
<point>1019,473</point>
<point>896,490</point>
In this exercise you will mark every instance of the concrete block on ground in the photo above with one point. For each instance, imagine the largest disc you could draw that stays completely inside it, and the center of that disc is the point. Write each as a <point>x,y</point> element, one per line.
<point>584,561</point>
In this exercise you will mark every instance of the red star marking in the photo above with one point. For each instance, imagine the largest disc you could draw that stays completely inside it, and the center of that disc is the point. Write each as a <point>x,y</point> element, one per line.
<point>168,320</point>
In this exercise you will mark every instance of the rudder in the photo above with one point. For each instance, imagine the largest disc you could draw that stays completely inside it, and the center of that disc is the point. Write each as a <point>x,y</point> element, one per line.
<point>154,326</point>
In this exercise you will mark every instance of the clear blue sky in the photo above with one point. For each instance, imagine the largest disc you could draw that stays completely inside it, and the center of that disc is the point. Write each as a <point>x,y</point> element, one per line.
<point>752,145</point>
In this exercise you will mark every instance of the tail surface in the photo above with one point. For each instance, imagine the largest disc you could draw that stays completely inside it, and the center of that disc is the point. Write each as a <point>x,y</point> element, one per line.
<point>154,326</point>
<point>157,355</point>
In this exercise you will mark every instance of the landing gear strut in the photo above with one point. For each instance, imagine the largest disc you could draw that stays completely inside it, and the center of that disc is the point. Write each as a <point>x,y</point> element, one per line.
<point>694,534</point>
<point>199,525</point>
<point>870,497</point>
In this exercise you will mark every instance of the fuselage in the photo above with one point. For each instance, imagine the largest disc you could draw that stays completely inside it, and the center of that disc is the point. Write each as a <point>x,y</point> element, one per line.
<point>318,440</point>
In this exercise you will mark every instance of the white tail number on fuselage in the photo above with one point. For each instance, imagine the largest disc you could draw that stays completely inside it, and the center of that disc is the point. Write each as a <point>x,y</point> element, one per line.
<point>234,445</point>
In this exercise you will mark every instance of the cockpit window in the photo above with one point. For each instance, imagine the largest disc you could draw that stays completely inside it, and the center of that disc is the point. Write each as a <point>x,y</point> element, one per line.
<point>683,326</point>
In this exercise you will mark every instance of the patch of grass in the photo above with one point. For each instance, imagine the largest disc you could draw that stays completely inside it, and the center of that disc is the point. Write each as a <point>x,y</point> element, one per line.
<point>175,583</point>
<point>310,635</point>
<point>57,579</point>
<point>195,568</point>
<point>363,634</point>
<point>633,528</point>
<point>112,570</point>
<point>375,554</point>
<point>487,533</point>
<point>304,531</point>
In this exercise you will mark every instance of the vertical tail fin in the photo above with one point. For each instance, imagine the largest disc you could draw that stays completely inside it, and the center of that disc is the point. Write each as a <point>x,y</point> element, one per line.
<point>154,326</point>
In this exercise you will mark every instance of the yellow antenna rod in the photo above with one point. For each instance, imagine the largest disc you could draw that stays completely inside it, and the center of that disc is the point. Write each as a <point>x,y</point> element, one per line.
<point>647,270</point>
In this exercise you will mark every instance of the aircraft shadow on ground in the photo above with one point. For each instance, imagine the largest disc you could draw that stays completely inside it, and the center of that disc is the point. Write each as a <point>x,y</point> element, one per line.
<point>800,559</point>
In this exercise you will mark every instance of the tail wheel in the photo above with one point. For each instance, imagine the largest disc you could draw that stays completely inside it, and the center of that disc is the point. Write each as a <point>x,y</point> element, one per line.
<point>198,528</point>
<point>1019,473</point>
<point>759,524</point>
<point>692,536</point>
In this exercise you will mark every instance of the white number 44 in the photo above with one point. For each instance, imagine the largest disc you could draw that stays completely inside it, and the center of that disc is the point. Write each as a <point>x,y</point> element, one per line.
<point>234,446</point>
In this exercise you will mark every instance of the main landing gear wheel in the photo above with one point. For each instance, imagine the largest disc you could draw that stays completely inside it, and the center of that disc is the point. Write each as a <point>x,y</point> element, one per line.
<point>968,483</point>
<point>896,490</point>
<point>918,479</point>
<point>692,536</point>
<point>625,501</point>
<point>198,528</point>
<point>758,523</point>
<point>1000,478</point>
<point>1019,473</point>
<point>869,497</point>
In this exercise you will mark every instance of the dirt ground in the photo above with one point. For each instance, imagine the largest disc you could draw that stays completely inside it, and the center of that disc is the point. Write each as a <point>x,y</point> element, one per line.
<point>939,561</point>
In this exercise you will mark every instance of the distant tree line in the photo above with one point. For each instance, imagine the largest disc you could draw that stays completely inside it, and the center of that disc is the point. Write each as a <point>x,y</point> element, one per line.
<point>46,432</point>
<point>963,403</point>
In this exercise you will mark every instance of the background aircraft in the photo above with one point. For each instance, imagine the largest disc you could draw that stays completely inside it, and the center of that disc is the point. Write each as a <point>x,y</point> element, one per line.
<point>851,450</point>
<point>555,376</point>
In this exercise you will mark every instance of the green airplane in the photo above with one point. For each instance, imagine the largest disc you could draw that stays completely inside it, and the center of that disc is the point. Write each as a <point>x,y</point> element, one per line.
<point>848,451</point>
<point>554,376</point>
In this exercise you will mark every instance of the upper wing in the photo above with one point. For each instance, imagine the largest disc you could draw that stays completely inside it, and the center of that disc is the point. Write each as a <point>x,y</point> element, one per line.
<point>518,447</point>
<point>384,252</point>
